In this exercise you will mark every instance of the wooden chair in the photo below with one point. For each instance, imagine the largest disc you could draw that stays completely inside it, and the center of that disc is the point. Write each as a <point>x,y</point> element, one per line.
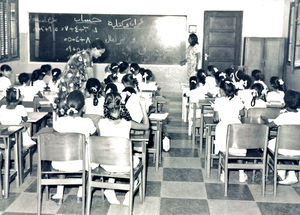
<point>198,124</point>
<point>56,146</point>
<point>115,151</point>
<point>1,159</point>
<point>245,136</point>
<point>288,137</point>
<point>254,115</point>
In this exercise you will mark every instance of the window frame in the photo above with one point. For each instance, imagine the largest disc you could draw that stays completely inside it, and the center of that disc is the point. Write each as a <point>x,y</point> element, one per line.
<point>13,52</point>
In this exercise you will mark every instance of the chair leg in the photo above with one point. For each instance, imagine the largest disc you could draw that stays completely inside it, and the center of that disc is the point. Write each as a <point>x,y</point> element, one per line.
<point>130,208</point>
<point>275,180</point>
<point>264,180</point>
<point>83,197</point>
<point>89,199</point>
<point>0,176</point>
<point>39,193</point>
<point>226,179</point>
<point>253,172</point>
<point>141,191</point>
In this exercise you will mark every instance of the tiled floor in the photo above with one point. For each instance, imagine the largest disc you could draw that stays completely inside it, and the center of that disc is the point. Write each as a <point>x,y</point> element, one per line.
<point>179,187</point>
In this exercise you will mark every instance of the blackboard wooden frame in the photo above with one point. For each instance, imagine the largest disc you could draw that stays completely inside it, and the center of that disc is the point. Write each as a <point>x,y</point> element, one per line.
<point>144,39</point>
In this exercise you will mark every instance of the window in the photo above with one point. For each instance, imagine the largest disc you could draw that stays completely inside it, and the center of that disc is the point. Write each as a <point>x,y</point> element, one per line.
<point>9,30</point>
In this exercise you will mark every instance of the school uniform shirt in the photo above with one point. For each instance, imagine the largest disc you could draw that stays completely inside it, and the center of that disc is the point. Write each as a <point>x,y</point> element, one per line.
<point>91,109</point>
<point>286,118</point>
<point>28,93</point>
<point>14,117</point>
<point>4,83</point>
<point>39,85</point>
<point>195,95</point>
<point>228,111</point>
<point>211,85</point>
<point>116,128</point>
<point>120,76</point>
<point>69,124</point>
<point>138,77</point>
<point>265,90</point>
<point>120,86</point>
<point>276,96</point>
<point>246,97</point>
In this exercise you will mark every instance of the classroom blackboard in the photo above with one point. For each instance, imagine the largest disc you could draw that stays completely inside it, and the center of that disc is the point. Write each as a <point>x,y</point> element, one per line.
<point>144,39</point>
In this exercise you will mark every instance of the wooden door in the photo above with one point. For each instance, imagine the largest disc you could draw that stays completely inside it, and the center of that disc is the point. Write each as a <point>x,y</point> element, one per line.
<point>266,54</point>
<point>222,38</point>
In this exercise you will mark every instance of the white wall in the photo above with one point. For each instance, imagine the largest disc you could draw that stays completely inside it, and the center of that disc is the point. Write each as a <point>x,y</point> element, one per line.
<point>261,18</point>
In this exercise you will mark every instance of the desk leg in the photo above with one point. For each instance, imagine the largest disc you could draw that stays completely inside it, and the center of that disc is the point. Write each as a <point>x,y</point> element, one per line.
<point>6,168</point>
<point>144,157</point>
<point>20,167</point>
<point>158,146</point>
<point>18,155</point>
<point>208,151</point>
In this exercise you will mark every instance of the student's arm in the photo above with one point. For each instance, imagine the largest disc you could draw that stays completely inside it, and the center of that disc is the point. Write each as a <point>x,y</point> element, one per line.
<point>216,116</point>
<point>145,122</point>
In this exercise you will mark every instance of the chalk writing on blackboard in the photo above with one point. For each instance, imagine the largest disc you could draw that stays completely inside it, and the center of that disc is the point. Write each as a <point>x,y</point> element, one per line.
<point>132,38</point>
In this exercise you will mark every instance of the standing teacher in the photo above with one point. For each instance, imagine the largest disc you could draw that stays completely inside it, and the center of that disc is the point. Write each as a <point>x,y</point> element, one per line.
<point>78,70</point>
<point>192,59</point>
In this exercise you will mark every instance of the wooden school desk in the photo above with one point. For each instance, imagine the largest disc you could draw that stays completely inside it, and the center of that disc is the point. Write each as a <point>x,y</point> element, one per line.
<point>140,139</point>
<point>156,120</point>
<point>7,133</point>
<point>37,120</point>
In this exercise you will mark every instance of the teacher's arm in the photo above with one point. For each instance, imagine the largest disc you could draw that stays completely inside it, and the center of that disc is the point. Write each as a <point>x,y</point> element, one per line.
<point>90,72</point>
<point>198,61</point>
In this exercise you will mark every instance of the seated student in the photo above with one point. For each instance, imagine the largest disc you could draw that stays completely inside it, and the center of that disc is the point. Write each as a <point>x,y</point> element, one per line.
<point>246,93</point>
<point>258,77</point>
<point>290,116</point>
<point>73,122</point>
<point>113,78</point>
<point>5,73</point>
<point>114,124</point>
<point>94,101</point>
<point>28,92</point>
<point>197,91</point>
<point>211,80</point>
<point>123,70</point>
<point>258,100</point>
<point>38,83</point>
<point>110,87</point>
<point>14,114</point>
<point>128,80</point>
<point>53,84</point>
<point>148,82</point>
<point>277,94</point>
<point>132,103</point>
<point>227,111</point>
<point>135,70</point>
<point>238,79</point>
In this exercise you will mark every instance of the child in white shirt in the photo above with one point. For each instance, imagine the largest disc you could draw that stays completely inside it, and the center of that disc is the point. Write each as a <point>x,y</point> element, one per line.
<point>277,94</point>
<point>14,114</point>
<point>123,70</point>
<point>227,110</point>
<point>28,92</point>
<point>38,82</point>
<point>5,74</point>
<point>258,96</point>
<point>259,77</point>
<point>246,93</point>
<point>135,70</point>
<point>95,101</point>
<point>290,116</point>
<point>115,125</point>
<point>72,123</point>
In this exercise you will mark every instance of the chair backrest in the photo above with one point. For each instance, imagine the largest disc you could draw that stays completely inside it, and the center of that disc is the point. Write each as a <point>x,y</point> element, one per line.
<point>110,151</point>
<point>270,113</point>
<point>55,146</point>
<point>247,136</point>
<point>288,137</point>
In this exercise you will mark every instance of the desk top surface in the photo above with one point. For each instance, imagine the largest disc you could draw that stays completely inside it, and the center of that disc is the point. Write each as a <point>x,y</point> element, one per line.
<point>36,116</point>
<point>7,130</point>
